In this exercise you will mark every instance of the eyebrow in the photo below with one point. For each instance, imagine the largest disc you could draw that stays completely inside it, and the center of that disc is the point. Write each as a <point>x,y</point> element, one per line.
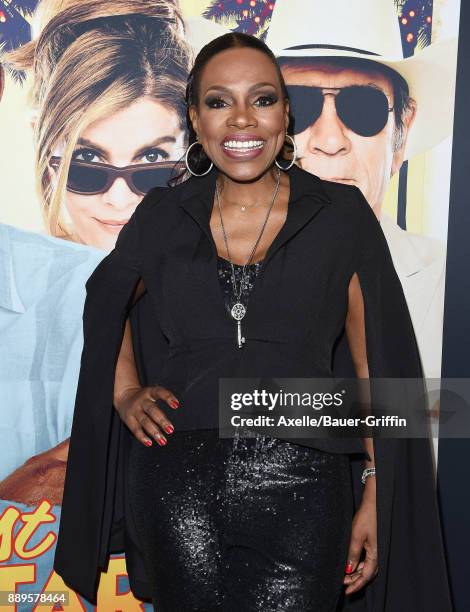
<point>252,88</point>
<point>84,142</point>
<point>387,94</point>
<point>375,86</point>
<point>155,143</point>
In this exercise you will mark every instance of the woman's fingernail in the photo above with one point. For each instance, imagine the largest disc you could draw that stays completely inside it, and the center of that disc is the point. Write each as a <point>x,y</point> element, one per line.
<point>349,566</point>
<point>148,442</point>
<point>161,440</point>
<point>174,403</point>
<point>169,428</point>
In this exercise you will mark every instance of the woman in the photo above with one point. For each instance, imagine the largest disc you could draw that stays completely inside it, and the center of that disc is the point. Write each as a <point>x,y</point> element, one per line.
<point>108,90</point>
<point>256,523</point>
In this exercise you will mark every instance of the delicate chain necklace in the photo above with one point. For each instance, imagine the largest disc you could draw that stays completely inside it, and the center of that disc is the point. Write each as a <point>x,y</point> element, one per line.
<point>238,310</point>
<point>245,207</point>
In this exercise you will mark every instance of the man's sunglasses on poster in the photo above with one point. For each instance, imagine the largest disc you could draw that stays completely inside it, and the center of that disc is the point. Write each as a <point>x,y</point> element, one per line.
<point>364,109</point>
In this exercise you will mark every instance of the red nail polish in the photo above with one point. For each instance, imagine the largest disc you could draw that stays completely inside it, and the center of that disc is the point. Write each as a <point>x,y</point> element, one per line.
<point>348,568</point>
<point>148,442</point>
<point>174,403</point>
<point>169,429</point>
<point>162,441</point>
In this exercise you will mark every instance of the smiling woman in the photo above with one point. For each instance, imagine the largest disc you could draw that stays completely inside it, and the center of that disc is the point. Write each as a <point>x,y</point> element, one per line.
<point>108,88</point>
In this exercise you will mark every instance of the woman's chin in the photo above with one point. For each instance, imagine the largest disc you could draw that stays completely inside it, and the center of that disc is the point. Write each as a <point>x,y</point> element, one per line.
<point>245,170</point>
<point>99,237</point>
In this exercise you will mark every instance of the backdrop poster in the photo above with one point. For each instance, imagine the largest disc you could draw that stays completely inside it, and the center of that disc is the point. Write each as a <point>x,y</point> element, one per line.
<point>371,85</point>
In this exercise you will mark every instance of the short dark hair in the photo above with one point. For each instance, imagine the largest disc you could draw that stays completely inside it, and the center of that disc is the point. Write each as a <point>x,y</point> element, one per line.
<point>232,40</point>
<point>401,92</point>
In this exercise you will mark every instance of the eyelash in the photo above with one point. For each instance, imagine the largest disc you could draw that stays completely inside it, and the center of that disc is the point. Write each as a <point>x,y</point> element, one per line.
<point>81,150</point>
<point>160,152</point>
<point>217,100</point>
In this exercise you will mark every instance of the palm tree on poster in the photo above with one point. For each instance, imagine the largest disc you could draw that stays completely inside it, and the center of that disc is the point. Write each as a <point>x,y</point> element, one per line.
<point>253,17</point>
<point>415,17</point>
<point>14,25</point>
<point>248,16</point>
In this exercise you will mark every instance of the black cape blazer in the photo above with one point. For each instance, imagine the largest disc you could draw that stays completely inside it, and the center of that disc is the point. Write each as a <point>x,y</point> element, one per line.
<point>184,340</point>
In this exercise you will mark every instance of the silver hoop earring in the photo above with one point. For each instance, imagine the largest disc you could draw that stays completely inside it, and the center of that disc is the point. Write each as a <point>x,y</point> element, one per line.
<point>187,164</point>
<point>294,157</point>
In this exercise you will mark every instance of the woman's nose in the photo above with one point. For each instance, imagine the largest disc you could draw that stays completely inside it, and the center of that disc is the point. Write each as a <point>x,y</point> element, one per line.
<point>242,115</point>
<point>120,196</point>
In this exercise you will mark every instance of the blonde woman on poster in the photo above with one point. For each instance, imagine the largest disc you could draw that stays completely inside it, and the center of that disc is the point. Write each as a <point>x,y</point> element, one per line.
<point>109,78</point>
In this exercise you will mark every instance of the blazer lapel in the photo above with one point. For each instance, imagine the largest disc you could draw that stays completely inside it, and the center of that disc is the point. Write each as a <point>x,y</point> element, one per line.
<point>306,199</point>
<point>196,200</point>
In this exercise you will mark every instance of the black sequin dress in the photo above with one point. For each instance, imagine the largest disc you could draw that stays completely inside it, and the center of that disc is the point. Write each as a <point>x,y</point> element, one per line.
<point>244,524</point>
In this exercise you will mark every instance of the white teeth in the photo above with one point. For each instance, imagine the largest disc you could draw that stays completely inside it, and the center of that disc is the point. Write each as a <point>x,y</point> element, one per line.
<point>243,145</point>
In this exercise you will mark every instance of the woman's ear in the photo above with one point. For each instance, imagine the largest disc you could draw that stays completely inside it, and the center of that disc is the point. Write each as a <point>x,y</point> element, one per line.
<point>287,111</point>
<point>193,117</point>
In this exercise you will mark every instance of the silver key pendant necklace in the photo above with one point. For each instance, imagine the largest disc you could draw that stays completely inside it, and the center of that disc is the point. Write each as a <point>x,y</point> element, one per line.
<point>238,310</point>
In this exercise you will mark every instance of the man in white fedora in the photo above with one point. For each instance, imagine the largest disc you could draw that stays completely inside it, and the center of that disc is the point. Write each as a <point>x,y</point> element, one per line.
<point>360,110</point>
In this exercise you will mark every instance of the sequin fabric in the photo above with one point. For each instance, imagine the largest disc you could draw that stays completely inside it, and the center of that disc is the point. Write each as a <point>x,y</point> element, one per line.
<point>243,524</point>
<point>225,279</point>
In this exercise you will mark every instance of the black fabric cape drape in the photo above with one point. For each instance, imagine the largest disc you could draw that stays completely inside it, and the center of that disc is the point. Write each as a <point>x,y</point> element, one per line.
<point>412,574</point>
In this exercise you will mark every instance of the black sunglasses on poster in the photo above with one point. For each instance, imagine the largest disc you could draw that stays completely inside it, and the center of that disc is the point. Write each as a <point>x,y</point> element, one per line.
<point>362,108</point>
<point>92,178</point>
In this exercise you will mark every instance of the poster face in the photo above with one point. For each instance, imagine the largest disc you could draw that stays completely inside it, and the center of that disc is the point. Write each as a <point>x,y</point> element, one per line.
<point>91,118</point>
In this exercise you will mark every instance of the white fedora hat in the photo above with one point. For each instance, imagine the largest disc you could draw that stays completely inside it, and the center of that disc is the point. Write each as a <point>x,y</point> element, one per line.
<point>336,28</point>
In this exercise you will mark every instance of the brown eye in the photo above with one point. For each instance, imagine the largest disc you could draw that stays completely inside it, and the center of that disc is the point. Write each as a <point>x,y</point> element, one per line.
<point>267,100</point>
<point>215,102</point>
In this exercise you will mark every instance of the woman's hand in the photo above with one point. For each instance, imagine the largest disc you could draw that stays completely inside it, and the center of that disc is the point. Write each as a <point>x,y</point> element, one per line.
<point>363,535</point>
<point>137,409</point>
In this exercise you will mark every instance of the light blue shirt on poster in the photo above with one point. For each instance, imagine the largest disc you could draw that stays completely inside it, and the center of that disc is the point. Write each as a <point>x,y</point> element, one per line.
<point>42,294</point>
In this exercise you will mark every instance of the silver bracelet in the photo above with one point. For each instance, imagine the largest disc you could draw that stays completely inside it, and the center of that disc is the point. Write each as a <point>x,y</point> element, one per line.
<point>370,471</point>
